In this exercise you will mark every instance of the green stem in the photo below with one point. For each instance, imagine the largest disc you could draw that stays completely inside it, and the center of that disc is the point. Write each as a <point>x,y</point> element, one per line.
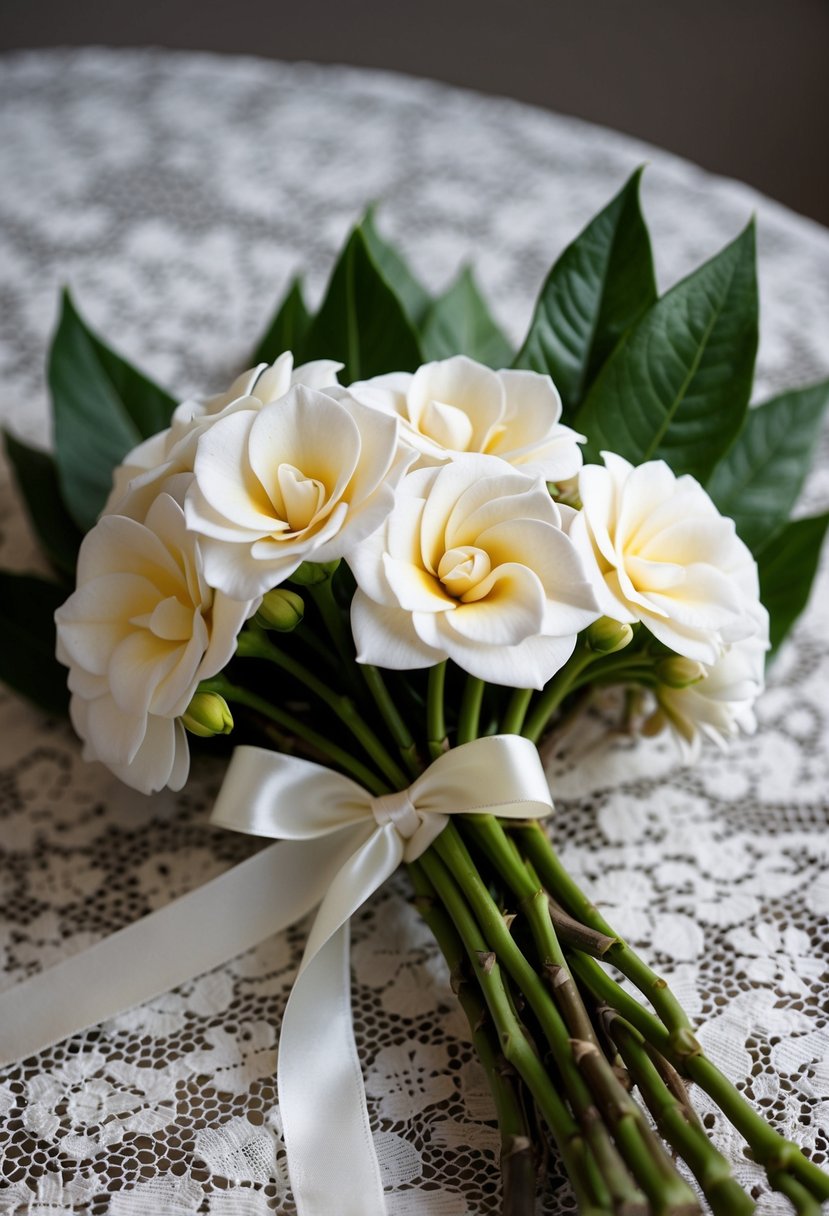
<point>253,644</point>
<point>519,703</point>
<point>536,844</point>
<point>338,755</point>
<point>518,1174</point>
<point>437,741</point>
<point>676,1123</point>
<point>592,1197</point>
<point>392,717</point>
<point>470,711</point>
<point>323,596</point>
<point>777,1155</point>
<point>556,691</point>
<point>645,1157</point>
<point>646,1166</point>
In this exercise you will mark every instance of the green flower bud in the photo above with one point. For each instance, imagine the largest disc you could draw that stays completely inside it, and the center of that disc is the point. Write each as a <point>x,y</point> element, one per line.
<point>207,715</point>
<point>308,574</point>
<point>606,636</point>
<point>679,672</point>
<point>281,609</point>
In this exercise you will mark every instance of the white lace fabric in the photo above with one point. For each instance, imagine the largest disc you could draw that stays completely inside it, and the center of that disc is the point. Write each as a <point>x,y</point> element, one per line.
<point>176,194</point>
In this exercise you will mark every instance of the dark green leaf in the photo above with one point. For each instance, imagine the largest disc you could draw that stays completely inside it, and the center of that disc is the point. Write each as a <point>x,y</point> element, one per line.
<point>459,323</point>
<point>759,478</point>
<point>599,287</point>
<point>27,656</point>
<point>677,385</point>
<point>37,478</point>
<point>395,270</point>
<point>287,329</point>
<point>361,321</point>
<point>787,568</point>
<point>103,407</point>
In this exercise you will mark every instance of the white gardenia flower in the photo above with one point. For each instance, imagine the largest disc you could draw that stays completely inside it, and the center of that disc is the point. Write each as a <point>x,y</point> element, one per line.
<point>658,551</point>
<point>140,631</point>
<point>304,479</point>
<point>458,405</point>
<point>720,705</point>
<point>473,565</point>
<point>144,471</point>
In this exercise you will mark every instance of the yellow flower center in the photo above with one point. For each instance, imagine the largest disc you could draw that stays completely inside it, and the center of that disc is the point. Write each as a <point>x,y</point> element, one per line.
<point>461,570</point>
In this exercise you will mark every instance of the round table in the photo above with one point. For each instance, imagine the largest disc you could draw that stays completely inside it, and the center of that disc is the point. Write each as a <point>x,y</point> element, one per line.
<point>176,194</point>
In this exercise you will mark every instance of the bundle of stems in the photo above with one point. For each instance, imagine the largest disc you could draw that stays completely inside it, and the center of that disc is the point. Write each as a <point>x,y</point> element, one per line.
<point>569,1053</point>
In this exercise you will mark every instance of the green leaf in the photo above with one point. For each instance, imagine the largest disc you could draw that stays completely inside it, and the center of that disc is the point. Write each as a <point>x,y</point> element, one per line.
<point>287,329</point>
<point>37,478</point>
<point>677,385</point>
<point>361,321</point>
<point>787,568</point>
<point>599,287</point>
<point>103,407</point>
<point>395,270</point>
<point>459,323</point>
<point>759,478</point>
<point>27,655</point>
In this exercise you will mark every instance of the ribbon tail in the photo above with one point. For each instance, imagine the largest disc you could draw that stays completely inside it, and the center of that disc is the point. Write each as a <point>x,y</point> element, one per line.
<point>332,1161</point>
<point>189,936</point>
<point>331,1156</point>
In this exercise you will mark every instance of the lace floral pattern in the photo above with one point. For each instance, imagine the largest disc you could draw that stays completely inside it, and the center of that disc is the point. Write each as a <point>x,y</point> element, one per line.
<point>176,194</point>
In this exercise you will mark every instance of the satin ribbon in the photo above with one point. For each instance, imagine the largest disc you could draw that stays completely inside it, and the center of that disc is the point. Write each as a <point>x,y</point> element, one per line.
<point>338,844</point>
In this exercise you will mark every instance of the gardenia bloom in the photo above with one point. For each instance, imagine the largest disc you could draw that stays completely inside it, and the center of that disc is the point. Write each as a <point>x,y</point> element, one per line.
<point>304,479</point>
<point>473,565</point>
<point>144,471</point>
<point>140,631</point>
<point>658,551</point>
<point>458,405</point>
<point>721,704</point>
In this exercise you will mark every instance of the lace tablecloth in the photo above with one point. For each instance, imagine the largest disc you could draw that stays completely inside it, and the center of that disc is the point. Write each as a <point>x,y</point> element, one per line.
<point>177,194</point>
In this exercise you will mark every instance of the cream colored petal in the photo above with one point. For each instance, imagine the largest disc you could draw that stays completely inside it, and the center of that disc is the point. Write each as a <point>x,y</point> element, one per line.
<point>599,504</point>
<point>96,618</point>
<point>385,637</point>
<point>461,383</point>
<point>113,735</point>
<point>138,665</point>
<point>319,373</point>
<point>226,620</point>
<point>224,476</point>
<point>162,758</point>
<point>381,458</point>
<point>414,589</point>
<point>366,564</point>
<point>205,520</point>
<point>275,380</point>
<point>529,664</point>
<point>117,545</point>
<point>310,431</point>
<point>509,609</point>
<point>233,570</point>
<point>498,499</point>
<point>693,539</point>
<point>450,482</point>
<point>384,393</point>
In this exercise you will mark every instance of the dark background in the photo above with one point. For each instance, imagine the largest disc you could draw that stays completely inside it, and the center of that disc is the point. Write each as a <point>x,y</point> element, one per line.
<point>739,86</point>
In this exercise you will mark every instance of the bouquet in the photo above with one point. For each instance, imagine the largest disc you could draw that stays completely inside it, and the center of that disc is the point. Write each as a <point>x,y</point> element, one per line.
<point>392,561</point>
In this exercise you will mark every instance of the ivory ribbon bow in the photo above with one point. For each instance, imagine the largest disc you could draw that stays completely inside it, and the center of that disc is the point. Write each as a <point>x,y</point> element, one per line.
<point>338,844</point>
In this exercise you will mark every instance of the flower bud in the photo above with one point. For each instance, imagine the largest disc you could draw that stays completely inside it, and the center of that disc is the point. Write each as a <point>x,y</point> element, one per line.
<point>308,574</point>
<point>606,636</point>
<point>281,609</point>
<point>679,672</point>
<point>207,715</point>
